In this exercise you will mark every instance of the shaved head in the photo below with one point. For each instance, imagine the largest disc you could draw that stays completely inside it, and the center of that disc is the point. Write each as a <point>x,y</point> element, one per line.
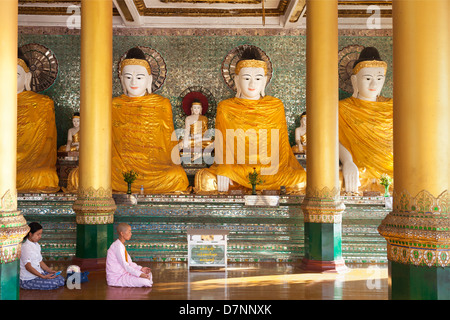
<point>122,227</point>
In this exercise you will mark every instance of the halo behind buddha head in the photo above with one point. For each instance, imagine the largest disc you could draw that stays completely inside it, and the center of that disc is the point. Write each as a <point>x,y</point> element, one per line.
<point>369,58</point>
<point>231,60</point>
<point>192,97</point>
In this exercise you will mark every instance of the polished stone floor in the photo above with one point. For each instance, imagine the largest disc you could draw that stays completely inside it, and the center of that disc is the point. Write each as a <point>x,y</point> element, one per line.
<point>240,281</point>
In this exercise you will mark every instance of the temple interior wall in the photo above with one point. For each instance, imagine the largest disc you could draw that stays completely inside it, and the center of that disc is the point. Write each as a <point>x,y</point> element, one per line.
<point>193,58</point>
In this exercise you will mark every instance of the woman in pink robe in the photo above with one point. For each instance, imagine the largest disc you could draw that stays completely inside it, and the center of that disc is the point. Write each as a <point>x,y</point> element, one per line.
<point>121,271</point>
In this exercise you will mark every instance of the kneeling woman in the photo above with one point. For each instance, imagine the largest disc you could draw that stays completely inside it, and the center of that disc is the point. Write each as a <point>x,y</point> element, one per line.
<point>34,273</point>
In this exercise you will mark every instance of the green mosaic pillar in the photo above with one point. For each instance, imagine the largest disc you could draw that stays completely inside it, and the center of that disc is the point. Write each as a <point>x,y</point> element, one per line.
<point>95,206</point>
<point>322,207</point>
<point>9,280</point>
<point>323,232</point>
<point>417,230</point>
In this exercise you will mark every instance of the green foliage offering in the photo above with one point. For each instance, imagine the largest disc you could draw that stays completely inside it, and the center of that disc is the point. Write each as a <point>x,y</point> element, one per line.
<point>385,180</point>
<point>130,176</point>
<point>254,178</point>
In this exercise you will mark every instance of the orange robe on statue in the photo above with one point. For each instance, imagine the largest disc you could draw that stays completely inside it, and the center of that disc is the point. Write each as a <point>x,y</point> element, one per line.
<point>142,128</point>
<point>253,120</point>
<point>366,131</point>
<point>36,144</point>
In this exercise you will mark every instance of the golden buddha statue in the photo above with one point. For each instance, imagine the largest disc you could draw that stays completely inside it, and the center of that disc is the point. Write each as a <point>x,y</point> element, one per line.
<point>251,134</point>
<point>300,136</point>
<point>142,131</point>
<point>36,136</point>
<point>366,127</point>
<point>73,135</point>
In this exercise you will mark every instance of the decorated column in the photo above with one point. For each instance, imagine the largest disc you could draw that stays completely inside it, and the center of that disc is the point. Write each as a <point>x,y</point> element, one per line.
<point>13,226</point>
<point>95,206</point>
<point>322,206</point>
<point>417,230</point>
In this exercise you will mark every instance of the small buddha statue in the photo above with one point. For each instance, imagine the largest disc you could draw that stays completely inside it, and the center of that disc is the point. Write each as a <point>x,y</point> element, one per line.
<point>196,124</point>
<point>366,126</point>
<point>142,131</point>
<point>73,135</point>
<point>254,136</point>
<point>300,136</point>
<point>36,136</point>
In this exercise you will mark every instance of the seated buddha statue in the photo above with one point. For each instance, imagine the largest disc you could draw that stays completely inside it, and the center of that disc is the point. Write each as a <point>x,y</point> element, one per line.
<point>36,136</point>
<point>366,126</point>
<point>142,128</point>
<point>195,139</point>
<point>73,135</point>
<point>300,136</point>
<point>251,135</point>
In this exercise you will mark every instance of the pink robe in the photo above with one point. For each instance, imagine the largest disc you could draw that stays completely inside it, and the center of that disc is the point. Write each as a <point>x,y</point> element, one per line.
<point>121,271</point>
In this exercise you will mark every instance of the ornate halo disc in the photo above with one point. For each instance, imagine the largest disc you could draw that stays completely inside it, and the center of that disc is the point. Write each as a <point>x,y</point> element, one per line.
<point>200,93</point>
<point>347,56</point>
<point>157,65</point>
<point>43,66</point>
<point>232,58</point>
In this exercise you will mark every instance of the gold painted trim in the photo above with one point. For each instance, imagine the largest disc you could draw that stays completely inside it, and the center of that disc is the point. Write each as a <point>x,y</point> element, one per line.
<point>8,202</point>
<point>13,228</point>
<point>125,10</point>
<point>418,229</point>
<point>322,205</point>
<point>144,11</point>
<point>214,1</point>
<point>51,11</point>
<point>94,206</point>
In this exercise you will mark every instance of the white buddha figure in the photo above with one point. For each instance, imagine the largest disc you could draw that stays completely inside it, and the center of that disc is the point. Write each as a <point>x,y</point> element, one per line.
<point>366,126</point>
<point>141,132</point>
<point>254,137</point>
<point>36,136</point>
<point>300,136</point>
<point>73,135</point>
<point>195,139</point>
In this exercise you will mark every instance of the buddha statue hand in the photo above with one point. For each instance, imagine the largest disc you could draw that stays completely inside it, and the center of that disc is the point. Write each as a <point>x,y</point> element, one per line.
<point>350,171</point>
<point>223,183</point>
<point>351,176</point>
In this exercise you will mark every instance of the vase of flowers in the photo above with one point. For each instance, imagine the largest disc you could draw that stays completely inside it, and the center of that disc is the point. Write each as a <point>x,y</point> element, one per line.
<point>254,179</point>
<point>386,181</point>
<point>129,177</point>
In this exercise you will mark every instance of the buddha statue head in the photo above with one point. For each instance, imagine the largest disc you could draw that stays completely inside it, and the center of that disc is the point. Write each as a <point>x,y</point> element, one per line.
<point>303,119</point>
<point>76,120</point>
<point>250,75</point>
<point>135,74</point>
<point>196,108</point>
<point>368,76</point>
<point>23,73</point>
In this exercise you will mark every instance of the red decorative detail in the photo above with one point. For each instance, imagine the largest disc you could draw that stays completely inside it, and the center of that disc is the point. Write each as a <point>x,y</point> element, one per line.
<point>190,97</point>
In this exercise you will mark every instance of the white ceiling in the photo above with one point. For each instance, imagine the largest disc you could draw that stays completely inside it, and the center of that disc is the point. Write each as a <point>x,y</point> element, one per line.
<point>360,14</point>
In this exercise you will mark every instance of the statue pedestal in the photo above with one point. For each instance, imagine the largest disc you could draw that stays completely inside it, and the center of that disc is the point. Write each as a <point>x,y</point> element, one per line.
<point>65,163</point>
<point>262,200</point>
<point>124,199</point>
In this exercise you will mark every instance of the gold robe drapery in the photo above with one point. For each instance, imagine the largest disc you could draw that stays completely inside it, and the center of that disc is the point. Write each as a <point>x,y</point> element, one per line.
<point>142,128</point>
<point>36,144</point>
<point>255,119</point>
<point>366,131</point>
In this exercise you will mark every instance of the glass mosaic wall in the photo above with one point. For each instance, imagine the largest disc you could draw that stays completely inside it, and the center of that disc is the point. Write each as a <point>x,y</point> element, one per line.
<point>195,60</point>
